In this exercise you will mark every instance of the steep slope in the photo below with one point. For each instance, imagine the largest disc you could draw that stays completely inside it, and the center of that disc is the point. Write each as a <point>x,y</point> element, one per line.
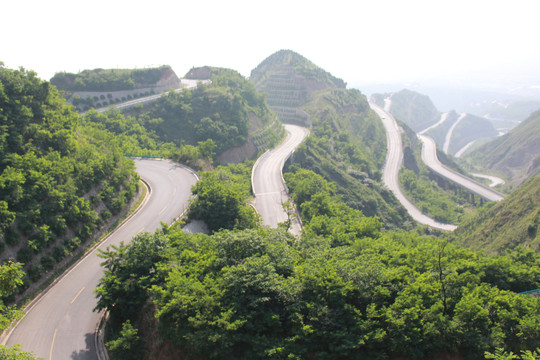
<point>469,129</point>
<point>289,79</point>
<point>103,87</point>
<point>414,109</point>
<point>58,183</point>
<point>511,222</point>
<point>347,145</point>
<point>228,110</point>
<point>515,155</point>
<point>451,131</point>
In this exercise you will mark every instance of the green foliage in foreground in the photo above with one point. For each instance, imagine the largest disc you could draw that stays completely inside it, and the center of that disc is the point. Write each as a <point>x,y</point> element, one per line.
<point>221,198</point>
<point>258,293</point>
<point>54,176</point>
<point>11,275</point>
<point>500,354</point>
<point>15,353</point>
<point>344,290</point>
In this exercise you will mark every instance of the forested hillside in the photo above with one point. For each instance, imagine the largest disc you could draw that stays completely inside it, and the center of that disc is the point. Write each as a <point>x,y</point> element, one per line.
<point>345,290</point>
<point>515,155</point>
<point>103,80</point>
<point>227,111</point>
<point>347,145</point>
<point>507,224</point>
<point>58,183</point>
<point>433,195</point>
<point>414,109</point>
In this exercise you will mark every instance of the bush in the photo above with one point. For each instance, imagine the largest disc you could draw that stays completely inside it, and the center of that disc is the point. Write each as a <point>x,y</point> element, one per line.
<point>58,253</point>
<point>35,272</point>
<point>25,254</point>
<point>47,262</point>
<point>11,237</point>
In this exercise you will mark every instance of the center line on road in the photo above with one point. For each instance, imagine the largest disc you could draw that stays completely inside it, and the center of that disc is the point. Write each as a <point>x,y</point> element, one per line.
<point>174,192</point>
<point>142,229</point>
<point>162,210</point>
<point>52,344</point>
<point>76,296</point>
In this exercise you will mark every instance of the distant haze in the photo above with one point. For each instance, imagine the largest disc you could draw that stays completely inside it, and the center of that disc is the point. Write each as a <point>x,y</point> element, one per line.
<point>484,45</point>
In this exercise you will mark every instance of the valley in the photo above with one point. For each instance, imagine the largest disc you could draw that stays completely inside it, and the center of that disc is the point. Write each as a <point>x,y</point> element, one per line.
<point>393,244</point>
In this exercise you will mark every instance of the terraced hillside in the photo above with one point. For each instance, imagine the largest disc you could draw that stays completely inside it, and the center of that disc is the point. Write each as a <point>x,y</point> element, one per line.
<point>347,145</point>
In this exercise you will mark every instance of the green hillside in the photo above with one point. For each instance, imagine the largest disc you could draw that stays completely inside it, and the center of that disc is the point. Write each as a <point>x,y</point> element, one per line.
<point>228,111</point>
<point>103,80</point>
<point>507,224</point>
<point>59,183</point>
<point>471,128</point>
<point>414,109</point>
<point>515,155</point>
<point>344,290</point>
<point>433,195</point>
<point>347,145</point>
<point>289,79</point>
<point>439,133</point>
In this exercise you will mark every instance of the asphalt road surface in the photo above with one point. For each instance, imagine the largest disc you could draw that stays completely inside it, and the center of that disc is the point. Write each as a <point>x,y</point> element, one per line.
<point>429,157</point>
<point>61,323</point>
<point>267,179</point>
<point>394,159</point>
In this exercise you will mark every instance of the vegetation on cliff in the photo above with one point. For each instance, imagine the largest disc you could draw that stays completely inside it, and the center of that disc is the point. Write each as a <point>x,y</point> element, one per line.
<point>347,144</point>
<point>58,185</point>
<point>220,111</point>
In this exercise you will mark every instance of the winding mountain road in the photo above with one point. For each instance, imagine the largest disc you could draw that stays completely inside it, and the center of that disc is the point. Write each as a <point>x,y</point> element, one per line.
<point>429,157</point>
<point>61,323</point>
<point>267,179</point>
<point>394,159</point>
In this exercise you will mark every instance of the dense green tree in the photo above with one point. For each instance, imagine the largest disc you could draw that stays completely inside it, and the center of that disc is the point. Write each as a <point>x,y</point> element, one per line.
<point>221,198</point>
<point>50,165</point>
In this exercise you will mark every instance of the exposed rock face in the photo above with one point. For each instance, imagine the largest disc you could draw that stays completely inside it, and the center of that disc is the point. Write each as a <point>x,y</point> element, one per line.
<point>168,79</point>
<point>238,154</point>
<point>200,73</point>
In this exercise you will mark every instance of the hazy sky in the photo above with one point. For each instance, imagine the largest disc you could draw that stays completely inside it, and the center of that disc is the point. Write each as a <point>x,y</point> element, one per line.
<point>358,41</point>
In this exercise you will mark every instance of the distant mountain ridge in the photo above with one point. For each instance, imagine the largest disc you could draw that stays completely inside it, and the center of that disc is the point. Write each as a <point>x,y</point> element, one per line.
<point>451,131</point>
<point>515,155</point>
<point>289,79</point>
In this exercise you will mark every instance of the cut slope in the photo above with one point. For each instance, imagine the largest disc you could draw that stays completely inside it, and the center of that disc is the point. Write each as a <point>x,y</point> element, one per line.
<point>347,144</point>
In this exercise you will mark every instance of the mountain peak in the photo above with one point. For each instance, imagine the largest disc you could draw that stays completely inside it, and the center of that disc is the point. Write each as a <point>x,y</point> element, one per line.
<point>289,78</point>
